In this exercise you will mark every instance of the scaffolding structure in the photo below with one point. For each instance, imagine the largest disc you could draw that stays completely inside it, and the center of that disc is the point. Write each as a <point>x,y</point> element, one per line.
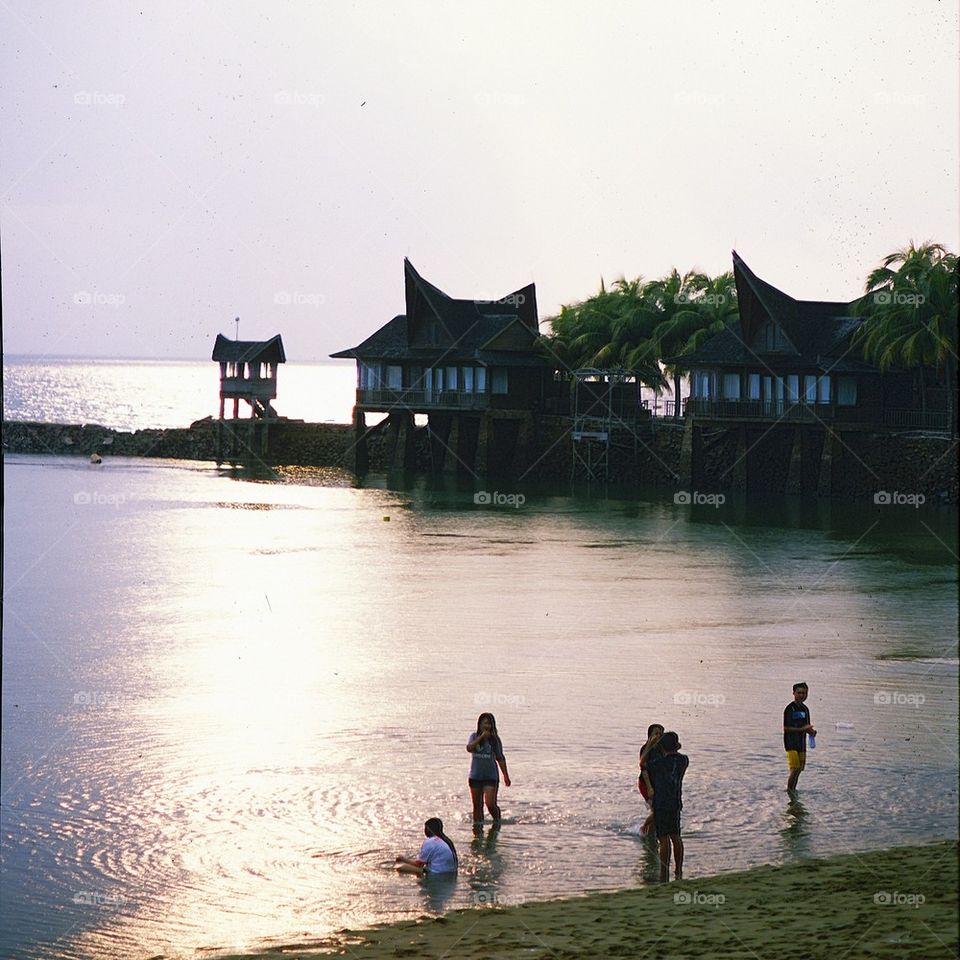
<point>607,408</point>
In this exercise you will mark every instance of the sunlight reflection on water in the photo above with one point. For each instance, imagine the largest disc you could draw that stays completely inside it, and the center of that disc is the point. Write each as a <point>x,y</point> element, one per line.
<point>222,723</point>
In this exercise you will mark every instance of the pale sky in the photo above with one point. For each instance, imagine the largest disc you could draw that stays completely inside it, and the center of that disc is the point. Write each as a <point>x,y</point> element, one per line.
<point>167,167</point>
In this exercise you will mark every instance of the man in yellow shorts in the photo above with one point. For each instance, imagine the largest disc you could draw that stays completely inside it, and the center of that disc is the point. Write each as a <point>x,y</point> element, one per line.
<point>796,726</point>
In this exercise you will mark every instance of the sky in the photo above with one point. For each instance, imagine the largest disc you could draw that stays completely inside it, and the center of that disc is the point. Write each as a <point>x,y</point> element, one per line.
<point>167,167</point>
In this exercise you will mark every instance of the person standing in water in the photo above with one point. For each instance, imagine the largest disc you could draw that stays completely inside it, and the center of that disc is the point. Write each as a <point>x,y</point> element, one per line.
<point>796,726</point>
<point>437,853</point>
<point>484,780</point>
<point>664,776</point>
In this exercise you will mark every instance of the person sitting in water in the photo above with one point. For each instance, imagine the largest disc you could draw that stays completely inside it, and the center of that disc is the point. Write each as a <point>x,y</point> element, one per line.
<point>95,457</point>
<point>437,854</point>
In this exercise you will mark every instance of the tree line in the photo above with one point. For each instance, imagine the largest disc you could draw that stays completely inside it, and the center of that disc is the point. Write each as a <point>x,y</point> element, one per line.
<point>909,314</point>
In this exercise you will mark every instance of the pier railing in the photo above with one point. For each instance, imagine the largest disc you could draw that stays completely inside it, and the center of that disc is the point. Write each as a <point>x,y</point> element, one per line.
<point>423,399</point>
<point>758,410</point>
<point>792,411</point>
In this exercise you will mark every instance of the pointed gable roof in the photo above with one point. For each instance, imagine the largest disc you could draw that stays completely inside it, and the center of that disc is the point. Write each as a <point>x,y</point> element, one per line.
<point>470,327</point>
<point>814,328</point>
<point>249,351</point>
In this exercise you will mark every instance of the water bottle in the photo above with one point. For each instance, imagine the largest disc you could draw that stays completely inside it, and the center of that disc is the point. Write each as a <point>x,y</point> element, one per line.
<point>812,741</point>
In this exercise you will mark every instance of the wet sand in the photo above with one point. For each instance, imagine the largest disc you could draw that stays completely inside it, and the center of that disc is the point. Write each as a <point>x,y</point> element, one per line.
<point>896,903</point>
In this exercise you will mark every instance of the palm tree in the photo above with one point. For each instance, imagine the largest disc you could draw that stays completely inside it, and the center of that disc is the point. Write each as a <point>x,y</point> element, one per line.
<point>610,329</point>
<point>693,308</point>
<point>910,316</point>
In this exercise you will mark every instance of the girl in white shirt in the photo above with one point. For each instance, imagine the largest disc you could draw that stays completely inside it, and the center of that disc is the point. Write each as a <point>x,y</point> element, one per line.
<point>437,854</point>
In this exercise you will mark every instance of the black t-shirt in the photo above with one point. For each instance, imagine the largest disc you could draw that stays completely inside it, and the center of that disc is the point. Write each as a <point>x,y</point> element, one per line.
<point>666,775</point>
<point>795,715</point>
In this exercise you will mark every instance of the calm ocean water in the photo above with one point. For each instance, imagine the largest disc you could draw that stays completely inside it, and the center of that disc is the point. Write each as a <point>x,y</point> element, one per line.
<point>228,704</point>
<point>138,394</point>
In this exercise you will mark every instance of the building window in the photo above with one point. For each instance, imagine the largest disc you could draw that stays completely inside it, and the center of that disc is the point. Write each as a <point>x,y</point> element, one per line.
<point>394,377</point>
<point>468,379</point>
<point>499,380</point>
<point>701,384</point>
<point>823,390</point>
<point>846,391</point>
<point>481,379</point>
<point>451,378</point>
<point>369,376</point>
<point>438,379</point>
<point>753,386</point>
<point>810,389</point>
<point>731,386</point>
<point>793,388</point>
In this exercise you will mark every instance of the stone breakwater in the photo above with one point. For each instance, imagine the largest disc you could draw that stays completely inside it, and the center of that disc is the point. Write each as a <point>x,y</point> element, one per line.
<point>860,466</point>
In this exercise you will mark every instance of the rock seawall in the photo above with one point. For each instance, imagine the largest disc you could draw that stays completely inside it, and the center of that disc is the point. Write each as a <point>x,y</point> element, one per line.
<point>758,460</point>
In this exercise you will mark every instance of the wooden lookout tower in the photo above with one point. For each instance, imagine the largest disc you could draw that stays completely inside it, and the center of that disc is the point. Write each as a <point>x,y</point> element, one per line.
<point>248,372</point>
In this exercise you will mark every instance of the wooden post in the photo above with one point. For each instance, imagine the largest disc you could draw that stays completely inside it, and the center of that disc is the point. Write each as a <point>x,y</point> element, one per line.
<point>451,458</point>
<point>685,468</point>
<point>357,458</point>
<point>825,483</point>
<point>739,481</point>
<point>521,456</point>
<point>481,459</point>
<point>795,474</point>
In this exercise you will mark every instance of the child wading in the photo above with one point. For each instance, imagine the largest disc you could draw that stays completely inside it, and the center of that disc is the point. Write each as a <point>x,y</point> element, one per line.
<point>437,853</point>
<point>796,726</point>
<point>484,777</point>
<point>648,751</point>
<point>664,776</point>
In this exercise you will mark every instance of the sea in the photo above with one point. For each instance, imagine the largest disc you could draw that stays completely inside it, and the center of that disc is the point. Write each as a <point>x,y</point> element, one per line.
<point>230,701</point>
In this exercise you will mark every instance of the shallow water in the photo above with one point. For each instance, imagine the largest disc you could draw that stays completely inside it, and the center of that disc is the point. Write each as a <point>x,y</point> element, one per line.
<point>227,705</point>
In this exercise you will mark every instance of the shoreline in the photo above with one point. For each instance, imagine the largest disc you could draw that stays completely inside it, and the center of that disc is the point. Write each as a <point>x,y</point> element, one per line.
<point>898,468</point>
<point>896,902</point>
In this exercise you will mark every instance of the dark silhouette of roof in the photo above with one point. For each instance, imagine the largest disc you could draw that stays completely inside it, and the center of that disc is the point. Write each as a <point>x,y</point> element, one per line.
<point>817,332</point>
<point>249,351</point>
<point>437,326</point>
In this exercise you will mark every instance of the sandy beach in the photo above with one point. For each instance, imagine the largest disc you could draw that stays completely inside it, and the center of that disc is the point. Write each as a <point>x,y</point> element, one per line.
<point>897,903</point>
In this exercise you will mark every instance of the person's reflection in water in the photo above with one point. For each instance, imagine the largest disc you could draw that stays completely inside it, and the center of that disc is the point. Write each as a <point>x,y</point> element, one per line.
<point>437,889</point>
<point>795,831</point>
<point>648,867</point>
<point>486,876</point>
